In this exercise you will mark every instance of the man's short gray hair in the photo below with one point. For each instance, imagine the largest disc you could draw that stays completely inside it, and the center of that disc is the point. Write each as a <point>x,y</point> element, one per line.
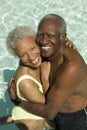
<point>17,34</point>
<point>61,22</point>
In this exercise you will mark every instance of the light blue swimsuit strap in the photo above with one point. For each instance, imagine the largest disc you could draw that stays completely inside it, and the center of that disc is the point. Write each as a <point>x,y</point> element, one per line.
<point>27,77</point>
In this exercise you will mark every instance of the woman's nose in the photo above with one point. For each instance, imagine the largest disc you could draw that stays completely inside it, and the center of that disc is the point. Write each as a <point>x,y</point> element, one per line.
<point>30,56</point>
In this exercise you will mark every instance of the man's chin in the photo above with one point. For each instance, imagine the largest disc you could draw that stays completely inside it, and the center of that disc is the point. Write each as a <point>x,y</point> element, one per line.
<point>45,55</point>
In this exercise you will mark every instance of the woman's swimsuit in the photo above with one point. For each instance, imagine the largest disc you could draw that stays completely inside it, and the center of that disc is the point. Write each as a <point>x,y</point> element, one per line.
<point>18,112</point>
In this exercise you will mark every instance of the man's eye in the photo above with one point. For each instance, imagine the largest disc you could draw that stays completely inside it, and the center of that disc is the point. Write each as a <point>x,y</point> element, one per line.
<point>50,36</point>
<point>40,35</point>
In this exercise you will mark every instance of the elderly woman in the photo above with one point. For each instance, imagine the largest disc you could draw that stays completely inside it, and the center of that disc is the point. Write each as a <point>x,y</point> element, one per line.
<point>21,43</point>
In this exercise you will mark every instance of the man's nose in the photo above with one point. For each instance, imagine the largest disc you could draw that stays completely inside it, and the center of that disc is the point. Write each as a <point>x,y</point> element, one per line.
<point>44,39</point>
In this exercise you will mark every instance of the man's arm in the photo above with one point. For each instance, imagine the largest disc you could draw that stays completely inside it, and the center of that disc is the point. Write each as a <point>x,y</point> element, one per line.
<point>57,95</point>
<point>64,86</point>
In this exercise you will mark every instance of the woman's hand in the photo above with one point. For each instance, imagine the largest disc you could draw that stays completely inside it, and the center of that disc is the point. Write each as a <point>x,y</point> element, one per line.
<point>12,92</point>
<point>12,89</point>
<point>70,44</point>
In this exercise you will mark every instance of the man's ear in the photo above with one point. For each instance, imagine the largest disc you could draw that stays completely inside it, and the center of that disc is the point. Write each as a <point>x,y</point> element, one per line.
<point>63,38</point>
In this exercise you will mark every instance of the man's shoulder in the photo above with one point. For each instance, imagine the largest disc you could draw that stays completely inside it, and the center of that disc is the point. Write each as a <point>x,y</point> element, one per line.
<point>73,58</point>
<point>72,66</point>
<point>76,66</point>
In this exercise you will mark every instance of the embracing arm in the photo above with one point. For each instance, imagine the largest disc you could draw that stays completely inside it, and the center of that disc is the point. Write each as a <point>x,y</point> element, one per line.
<point>64,86</point>
<point>45,73</point>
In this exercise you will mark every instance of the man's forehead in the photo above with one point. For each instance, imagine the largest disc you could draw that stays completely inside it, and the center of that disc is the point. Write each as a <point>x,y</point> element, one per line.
<point>46,23</point>
<point>51,27</point>
<point>49,20</point>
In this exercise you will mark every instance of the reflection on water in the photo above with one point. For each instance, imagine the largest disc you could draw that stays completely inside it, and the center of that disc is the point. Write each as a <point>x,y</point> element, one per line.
<point>24,12</point>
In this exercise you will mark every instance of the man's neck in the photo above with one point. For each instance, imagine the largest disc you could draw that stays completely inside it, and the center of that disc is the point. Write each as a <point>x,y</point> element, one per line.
<point>57,57</point>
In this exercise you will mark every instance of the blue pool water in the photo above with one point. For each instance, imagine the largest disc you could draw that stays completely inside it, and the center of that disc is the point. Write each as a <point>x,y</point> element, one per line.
<point>29,12</point>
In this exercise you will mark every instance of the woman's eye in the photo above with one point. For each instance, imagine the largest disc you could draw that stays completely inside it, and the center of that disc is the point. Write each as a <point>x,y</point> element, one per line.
<point>22,55</point>
<point>33,48</point>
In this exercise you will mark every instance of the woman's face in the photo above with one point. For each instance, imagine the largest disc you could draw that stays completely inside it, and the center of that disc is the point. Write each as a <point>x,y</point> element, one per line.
<point>28,52</point>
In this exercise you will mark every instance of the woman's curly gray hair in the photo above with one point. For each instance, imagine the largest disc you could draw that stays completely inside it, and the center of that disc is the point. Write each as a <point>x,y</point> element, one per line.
<point>17,34</point>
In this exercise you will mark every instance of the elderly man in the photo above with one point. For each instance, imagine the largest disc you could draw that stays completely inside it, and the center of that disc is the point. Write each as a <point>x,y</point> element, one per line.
<point>66,99</point>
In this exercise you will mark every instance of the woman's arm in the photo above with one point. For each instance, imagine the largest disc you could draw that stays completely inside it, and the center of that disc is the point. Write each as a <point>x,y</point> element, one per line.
<point>70,44</point>
<point>45,73</point>
<point>5,120</point>
<point>30,91</point>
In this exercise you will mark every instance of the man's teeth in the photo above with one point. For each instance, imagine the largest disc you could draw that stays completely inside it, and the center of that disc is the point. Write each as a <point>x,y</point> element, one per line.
<point>45,48</point>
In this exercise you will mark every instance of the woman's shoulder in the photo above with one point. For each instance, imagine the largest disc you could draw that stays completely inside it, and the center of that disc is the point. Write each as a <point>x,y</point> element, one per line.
<point>21,70</point>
